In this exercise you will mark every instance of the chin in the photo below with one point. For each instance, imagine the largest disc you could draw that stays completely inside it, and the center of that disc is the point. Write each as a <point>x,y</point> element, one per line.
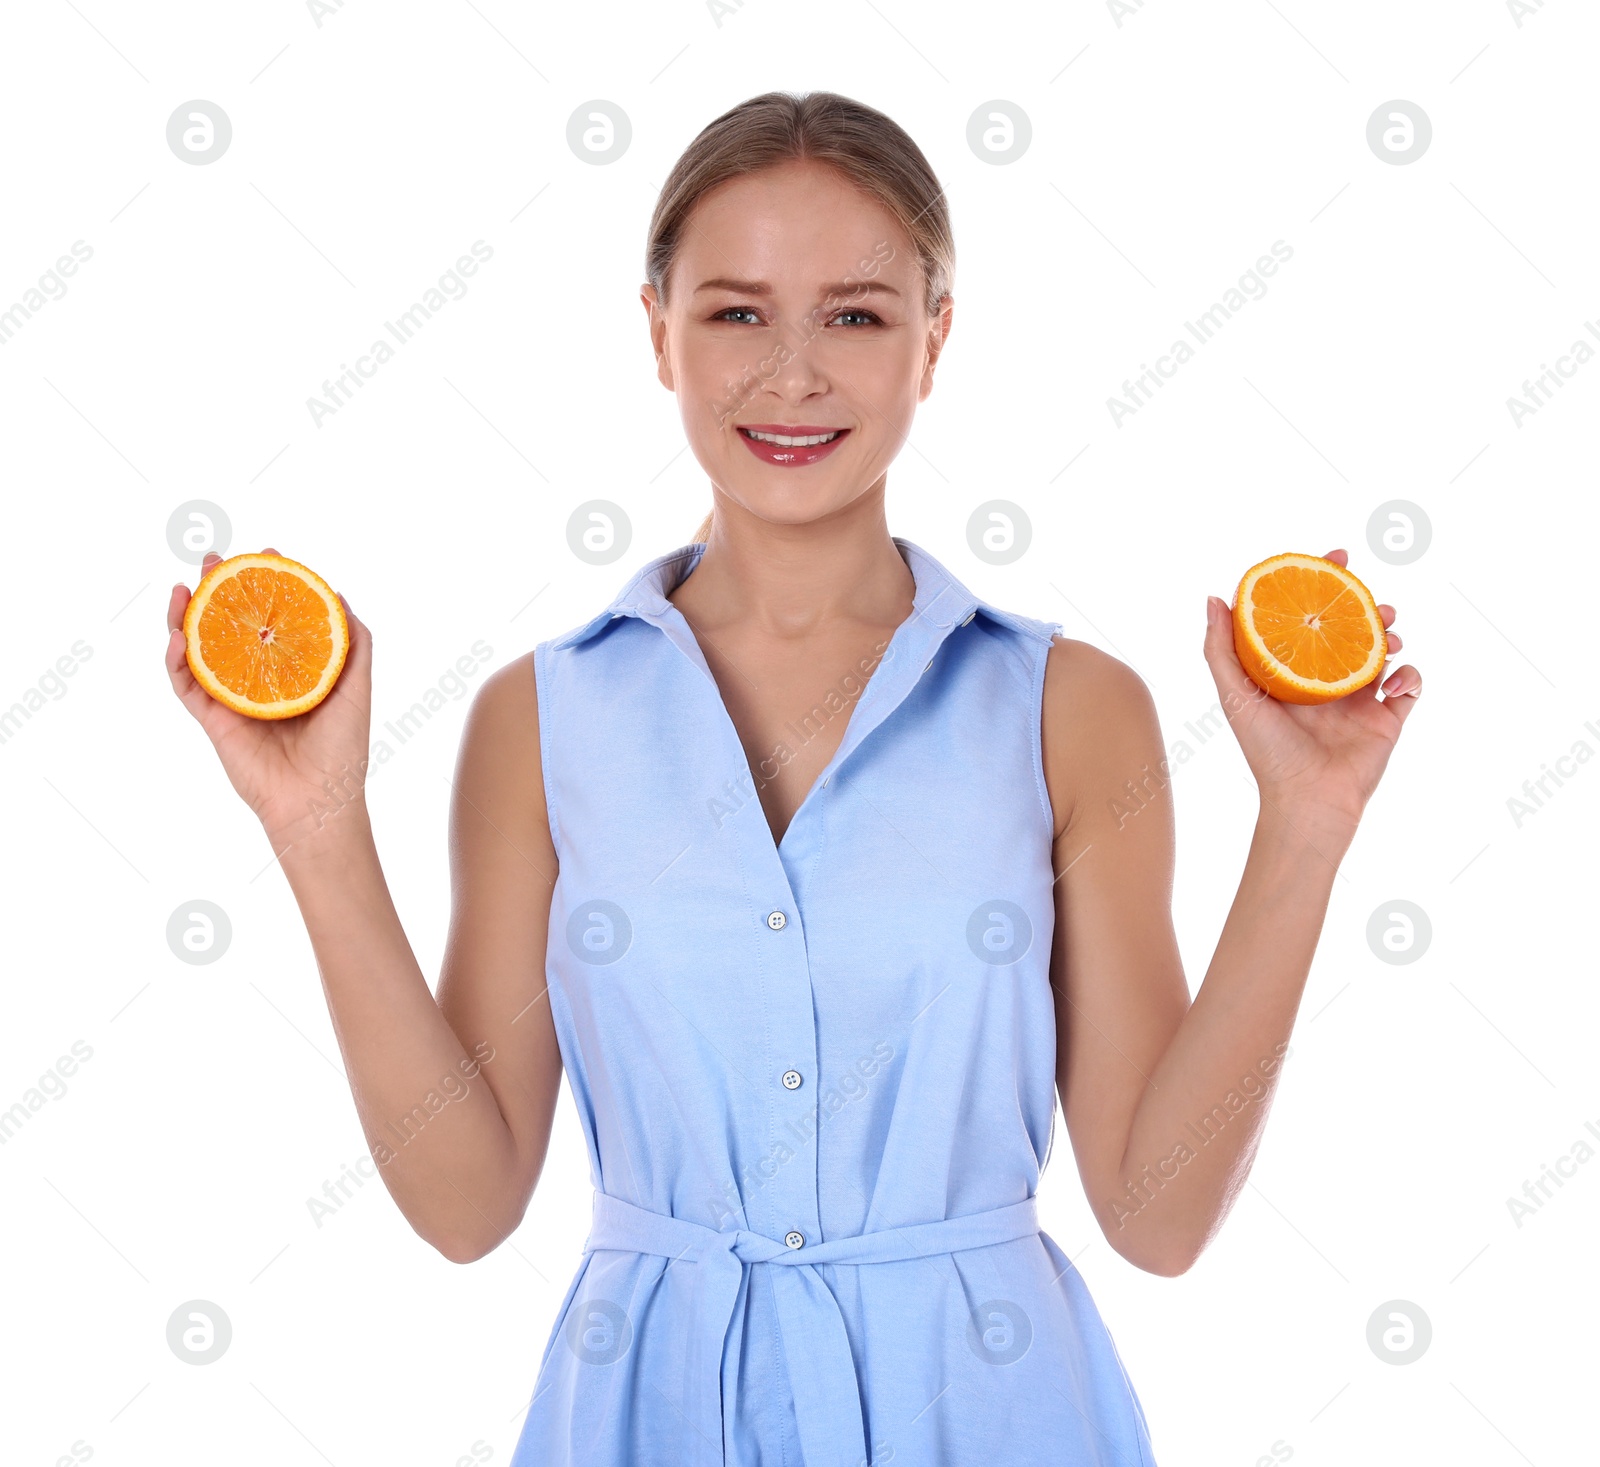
<point>796,506</point>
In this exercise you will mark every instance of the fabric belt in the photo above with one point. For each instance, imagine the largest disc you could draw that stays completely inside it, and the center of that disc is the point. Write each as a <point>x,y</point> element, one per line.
<point>822,1373</point>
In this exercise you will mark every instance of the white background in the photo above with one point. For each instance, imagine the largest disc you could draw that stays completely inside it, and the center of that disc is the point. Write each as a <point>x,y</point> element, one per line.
<point>1168,153</point>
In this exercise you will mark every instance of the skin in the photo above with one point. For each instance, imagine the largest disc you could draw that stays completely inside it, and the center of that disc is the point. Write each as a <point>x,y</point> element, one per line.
<point>800,576</point>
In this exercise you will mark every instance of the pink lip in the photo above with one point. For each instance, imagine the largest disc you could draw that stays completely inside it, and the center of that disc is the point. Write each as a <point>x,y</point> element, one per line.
<point>774,453</point>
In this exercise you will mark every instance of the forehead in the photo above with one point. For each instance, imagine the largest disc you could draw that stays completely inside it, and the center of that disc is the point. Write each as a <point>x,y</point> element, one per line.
<point>795,224</point>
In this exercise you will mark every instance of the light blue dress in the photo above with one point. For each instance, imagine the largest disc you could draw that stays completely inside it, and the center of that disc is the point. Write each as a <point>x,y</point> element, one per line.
<point>816,1078</point>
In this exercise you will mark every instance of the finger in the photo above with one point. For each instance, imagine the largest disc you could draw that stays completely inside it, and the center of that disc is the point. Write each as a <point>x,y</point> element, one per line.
<point>176,657</point>
<point>1338,557</point>
<point>358,662</point>
<point>269,551</point>
<point>196,699</point>
<point>1233,682</point>
<point>1403,682</point>
<point>1401,691</point>
<point>179,674</point>
<point>1386,613</point>
<point>1394,642</point>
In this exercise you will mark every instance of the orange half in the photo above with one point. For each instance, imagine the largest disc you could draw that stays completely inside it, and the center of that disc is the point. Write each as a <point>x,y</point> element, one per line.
<point>265,635</point>
<point>1306,630</point>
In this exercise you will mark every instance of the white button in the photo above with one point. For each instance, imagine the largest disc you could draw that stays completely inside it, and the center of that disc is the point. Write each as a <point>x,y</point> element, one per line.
<point>777,921</point>
<point>794,1240</point>
<point>792,1080</point>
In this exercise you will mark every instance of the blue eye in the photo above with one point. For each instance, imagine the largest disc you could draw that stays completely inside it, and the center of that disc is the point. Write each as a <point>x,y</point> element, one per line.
<point>868,317</point>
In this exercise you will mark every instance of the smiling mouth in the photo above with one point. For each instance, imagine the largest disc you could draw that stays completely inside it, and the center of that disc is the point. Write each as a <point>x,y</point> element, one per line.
<point>787,440</point>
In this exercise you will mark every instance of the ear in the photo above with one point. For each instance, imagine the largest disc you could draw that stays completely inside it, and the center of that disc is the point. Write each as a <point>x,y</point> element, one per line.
<point>658,333</point>
<point>938,334</point>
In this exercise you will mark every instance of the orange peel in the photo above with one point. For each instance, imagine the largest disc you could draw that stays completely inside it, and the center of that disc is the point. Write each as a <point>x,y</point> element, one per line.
<point>265,635</point>
<point>1307,630</point>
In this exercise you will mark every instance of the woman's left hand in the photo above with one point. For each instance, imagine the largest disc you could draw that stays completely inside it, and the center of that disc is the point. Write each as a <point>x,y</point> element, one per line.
<point>1325,757</point>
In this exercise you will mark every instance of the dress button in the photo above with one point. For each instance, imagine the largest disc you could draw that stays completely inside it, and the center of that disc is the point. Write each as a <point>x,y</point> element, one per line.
<point>777,921</point>
<point>791,1080</point>
<point>794,1240</point>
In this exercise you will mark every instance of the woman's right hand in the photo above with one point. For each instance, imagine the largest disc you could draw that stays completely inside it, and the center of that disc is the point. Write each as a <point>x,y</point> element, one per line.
<point>294,773</point>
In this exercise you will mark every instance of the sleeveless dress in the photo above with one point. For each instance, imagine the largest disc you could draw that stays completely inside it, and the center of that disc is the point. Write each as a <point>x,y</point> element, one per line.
<point>816,1078</point>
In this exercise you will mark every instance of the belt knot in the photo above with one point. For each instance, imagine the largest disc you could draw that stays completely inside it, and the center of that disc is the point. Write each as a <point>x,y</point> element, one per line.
<point>822,1372</point>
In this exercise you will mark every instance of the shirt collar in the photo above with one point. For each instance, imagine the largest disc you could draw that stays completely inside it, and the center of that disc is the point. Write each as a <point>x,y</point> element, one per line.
<point>941,600</point>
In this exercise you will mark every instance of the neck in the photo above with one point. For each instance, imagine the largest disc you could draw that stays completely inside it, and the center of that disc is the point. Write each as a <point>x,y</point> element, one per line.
<point>793,580</point>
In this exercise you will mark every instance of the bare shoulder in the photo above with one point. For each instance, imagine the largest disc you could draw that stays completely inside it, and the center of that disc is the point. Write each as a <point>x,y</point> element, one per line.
<point>506,705</point>
<point>499,767</point>
<point>1098,723</point>
<point>509,692</point>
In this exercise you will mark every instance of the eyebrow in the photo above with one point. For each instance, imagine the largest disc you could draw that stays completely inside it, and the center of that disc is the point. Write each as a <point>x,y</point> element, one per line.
<point>761,287</point>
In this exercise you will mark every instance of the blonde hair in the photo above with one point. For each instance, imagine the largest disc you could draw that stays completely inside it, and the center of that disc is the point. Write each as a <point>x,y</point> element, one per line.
<point>868,147</point>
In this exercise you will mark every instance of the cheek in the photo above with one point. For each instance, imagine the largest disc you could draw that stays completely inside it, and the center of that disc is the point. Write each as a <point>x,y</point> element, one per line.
<point>712,367</point>
<point>890,381</point>
<point>891,365</point>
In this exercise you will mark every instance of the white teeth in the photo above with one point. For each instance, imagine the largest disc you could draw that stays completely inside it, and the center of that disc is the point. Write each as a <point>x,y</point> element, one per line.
<point>784,440</point>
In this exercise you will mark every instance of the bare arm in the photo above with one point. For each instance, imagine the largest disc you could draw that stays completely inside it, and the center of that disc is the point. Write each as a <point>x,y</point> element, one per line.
<point>455,1096</point>
<point>1165,1099</point>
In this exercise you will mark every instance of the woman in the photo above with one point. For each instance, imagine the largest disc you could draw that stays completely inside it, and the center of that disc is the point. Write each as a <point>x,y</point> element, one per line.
<point>832,874</point>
